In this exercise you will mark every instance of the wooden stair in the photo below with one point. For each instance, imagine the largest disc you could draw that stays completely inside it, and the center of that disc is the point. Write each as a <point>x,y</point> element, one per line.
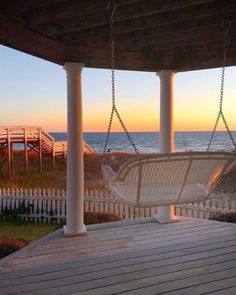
<point>34,139</point>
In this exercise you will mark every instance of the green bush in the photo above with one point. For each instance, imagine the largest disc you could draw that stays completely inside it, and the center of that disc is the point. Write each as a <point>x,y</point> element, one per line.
<point>228,217</point>
<point>95,217</point>
<point>13,214</point>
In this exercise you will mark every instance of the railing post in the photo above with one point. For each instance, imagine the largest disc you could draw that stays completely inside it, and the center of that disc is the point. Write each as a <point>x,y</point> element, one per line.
<point>53,155</point>
<point>64,152</point>
<point>9,151</point>
<point>26,149</point>
<point>40,151</point>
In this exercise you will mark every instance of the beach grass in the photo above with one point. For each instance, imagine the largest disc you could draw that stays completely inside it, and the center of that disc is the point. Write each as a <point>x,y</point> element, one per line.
<point>56,178</point>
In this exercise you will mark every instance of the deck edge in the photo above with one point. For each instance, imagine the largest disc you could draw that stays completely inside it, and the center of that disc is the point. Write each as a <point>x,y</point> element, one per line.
<point>32,245</point>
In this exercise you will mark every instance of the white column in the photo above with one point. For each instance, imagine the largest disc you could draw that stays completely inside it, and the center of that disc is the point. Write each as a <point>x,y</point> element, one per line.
<point>166,213</point>
<point>75,162</point>
<point>166,111</point>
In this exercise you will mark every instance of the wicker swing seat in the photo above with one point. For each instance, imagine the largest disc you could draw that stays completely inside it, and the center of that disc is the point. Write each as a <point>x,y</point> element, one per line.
<point>168,179</point>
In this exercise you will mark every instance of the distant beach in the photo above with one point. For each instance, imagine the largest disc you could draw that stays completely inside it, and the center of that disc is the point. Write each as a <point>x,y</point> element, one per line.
<point>149,141</point>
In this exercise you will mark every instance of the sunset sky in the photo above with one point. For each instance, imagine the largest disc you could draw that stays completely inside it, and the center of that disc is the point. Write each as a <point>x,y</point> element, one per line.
<point>33,92</point>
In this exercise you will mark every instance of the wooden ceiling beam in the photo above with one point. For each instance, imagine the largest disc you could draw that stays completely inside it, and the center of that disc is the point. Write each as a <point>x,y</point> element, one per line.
<point>125,13</point>
<point>178,60</point>
<point>21,6</point>
<point>17,9</point>
<point>139,38</point>
<point>208,41</point>
<point>203,59</point>
<point>14,35</point>
<point>200,36</point>
<point>83,11</point>
<point>20,37</point>
<point>152,21</point>
<point>214,43</point>
<point>188,25</point>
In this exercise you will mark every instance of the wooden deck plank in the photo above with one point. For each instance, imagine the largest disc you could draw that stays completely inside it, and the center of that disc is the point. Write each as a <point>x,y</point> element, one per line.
<point>138,230</point>
<point>181,257</point>
<point>136,284</point>
<point>149,232</point>
<point>175,285</point>
<point>42,257</point>
<point>134,264</point>
<point>25,260</point>
<point>156,267</point>
<point>89,246</point>
<point>184,248</point>
<point>113,238</point>
<point>219,285</point>
<point>225,291</point>
<point>121,233</point>
<point>116,248</point>
<point>138,233</point>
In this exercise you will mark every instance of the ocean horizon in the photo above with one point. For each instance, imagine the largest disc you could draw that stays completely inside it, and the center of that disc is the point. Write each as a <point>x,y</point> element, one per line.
<point>148,141</point>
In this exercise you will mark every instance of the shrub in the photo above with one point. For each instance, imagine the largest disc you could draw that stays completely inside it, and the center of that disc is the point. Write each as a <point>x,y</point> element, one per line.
<point>9,245</point>
<point>95,217</point>
<point>12,214</point>
<point>228,217</point>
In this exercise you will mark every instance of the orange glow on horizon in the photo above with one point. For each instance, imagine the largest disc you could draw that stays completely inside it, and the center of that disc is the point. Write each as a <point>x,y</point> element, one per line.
<point>137,121</point>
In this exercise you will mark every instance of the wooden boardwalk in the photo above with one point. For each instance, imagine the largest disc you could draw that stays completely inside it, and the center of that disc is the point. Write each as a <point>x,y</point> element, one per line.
<point>34,139</point>
<point>129,257</point>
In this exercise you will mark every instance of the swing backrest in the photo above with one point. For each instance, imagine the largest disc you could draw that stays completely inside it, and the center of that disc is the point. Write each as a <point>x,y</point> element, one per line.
<point>183,177</point>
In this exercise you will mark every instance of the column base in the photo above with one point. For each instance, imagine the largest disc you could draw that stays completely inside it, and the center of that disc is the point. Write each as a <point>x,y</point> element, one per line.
<point>164,220</point>
<point>68,232</point>
<point>165,215</point>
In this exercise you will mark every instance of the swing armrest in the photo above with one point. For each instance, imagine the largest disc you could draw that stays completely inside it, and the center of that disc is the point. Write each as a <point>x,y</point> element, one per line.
<point>108,174</point>
<point>229,168</point>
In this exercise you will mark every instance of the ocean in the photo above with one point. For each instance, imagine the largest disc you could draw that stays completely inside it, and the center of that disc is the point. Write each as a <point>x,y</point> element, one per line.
<point>149,141</point>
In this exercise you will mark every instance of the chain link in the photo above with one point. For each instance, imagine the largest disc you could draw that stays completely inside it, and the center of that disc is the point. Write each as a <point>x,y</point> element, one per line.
<point>220,113</point>
<point>111,7</point>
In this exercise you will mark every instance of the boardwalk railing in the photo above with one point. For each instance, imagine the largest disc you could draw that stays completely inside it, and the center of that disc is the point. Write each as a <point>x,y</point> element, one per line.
<point>49,206</point>
<point>33,138</point>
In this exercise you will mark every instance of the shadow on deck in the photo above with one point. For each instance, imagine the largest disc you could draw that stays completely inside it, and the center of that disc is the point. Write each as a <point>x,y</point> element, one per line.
<point>129,257</point>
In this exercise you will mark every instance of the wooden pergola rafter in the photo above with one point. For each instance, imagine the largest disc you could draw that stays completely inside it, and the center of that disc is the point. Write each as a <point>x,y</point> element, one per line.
<point>149,35</point>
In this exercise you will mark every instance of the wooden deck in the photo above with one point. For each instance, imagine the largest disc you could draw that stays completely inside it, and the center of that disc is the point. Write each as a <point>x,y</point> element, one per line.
<point>130,257</point>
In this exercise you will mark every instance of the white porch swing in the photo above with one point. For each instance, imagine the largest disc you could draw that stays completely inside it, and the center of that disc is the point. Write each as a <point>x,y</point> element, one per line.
<point>167,179</point>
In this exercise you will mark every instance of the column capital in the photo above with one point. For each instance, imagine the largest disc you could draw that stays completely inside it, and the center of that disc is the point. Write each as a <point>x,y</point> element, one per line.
<point>73,67</point>
<point>166,74</point>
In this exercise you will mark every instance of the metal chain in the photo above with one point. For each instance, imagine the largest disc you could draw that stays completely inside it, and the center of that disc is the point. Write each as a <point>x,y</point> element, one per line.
<point>111,7</point>
<point>220,113</point>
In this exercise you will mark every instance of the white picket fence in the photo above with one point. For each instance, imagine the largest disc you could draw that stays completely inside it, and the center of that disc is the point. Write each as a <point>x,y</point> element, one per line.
<point>215,205</point>
<point>49,206</point>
